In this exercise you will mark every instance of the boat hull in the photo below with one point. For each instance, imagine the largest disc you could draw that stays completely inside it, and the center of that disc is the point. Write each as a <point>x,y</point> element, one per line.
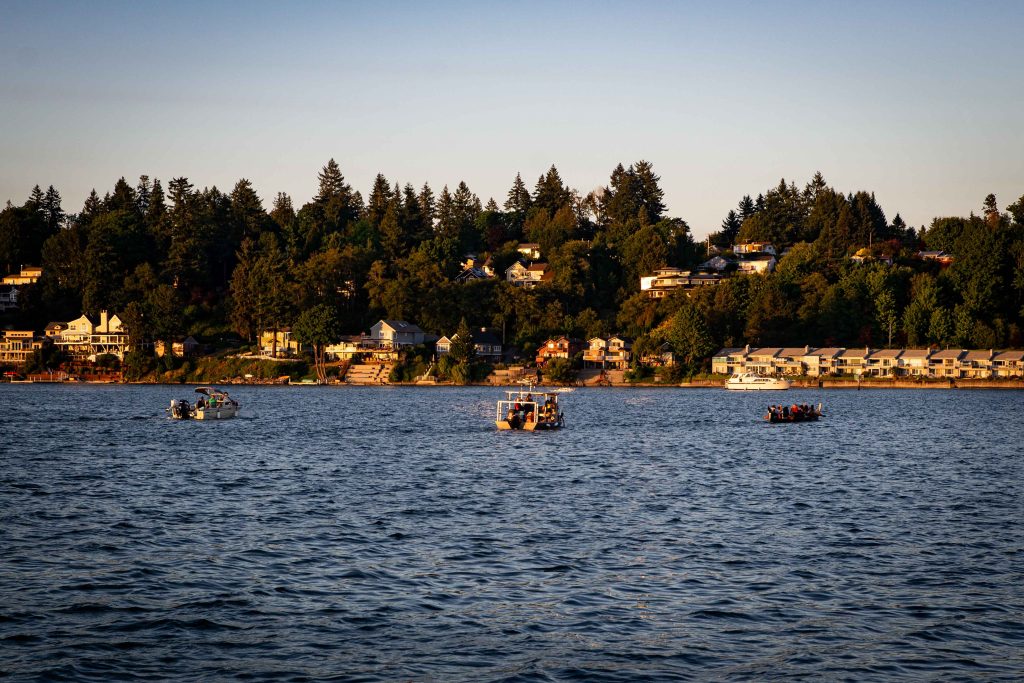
<point>218,413</point>
<point>505,425</point>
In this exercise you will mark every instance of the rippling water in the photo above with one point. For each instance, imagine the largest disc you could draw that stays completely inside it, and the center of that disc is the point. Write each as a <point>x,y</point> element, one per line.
<point>392,534</point>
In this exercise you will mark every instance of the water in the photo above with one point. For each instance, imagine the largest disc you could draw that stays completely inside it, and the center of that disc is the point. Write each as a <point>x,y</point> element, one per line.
<point>392,534</point>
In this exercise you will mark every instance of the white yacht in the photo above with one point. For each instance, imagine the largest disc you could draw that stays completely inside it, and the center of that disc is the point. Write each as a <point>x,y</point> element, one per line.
<point>751,381</point>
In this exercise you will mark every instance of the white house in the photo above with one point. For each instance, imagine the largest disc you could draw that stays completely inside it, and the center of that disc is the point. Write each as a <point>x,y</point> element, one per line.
<point>395,334</point>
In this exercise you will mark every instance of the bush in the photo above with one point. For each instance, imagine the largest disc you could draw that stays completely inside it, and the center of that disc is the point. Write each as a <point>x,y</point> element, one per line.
<point>559,371</point>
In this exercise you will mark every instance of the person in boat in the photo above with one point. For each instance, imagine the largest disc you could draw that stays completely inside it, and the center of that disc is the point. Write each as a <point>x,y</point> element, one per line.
<point>513,419</point>
<point>529,404</point>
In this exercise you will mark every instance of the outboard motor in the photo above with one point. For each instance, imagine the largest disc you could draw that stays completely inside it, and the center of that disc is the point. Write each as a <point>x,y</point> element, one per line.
<point>184,410</point>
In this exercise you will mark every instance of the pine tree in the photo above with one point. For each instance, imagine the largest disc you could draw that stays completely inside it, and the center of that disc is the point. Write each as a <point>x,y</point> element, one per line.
<point>428,211</point>
<point>446,219</point>
<point>550,194</point>
<point>730,229</point>
<point>142,194</point>
<point>413,224</point>
<point>248,217</point>
<point>380,196</point>
<point>52,211</point>
<point>649,192</point>
<point>746,208</point>
<point>991,211</point>
<point>156,208</point>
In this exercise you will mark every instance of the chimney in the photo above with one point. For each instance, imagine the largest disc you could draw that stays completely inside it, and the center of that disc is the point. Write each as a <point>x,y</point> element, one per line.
<point>103,321</point>
<point>746,349</point>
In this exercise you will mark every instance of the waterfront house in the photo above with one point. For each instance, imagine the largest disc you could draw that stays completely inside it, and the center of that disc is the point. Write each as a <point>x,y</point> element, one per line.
<point>486,344</point>
<point>821,362</point>
<point>851,361</point>
<point>762,360</point>
<point>181,347</point>
<point>730,361</point>
<point>277,343</point>
<point>913,363</point>
<point>789,361</point>
<point>662,356</point>
<point>614,352</point>
<point>976,364</point>
<point>17,345</point>
<point>882,363</point>
<point>1008,364</point>
<point>346,348</point>
<point>85,338</point>
<point>395,334</point>
<point>558,347</point>
<point>945,363</point>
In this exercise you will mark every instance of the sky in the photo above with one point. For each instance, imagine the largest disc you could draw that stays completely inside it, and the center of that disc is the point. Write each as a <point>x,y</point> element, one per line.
<point>919,102</point>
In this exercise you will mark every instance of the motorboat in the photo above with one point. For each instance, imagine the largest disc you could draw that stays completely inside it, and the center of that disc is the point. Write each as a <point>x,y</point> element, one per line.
<point>213,404</point>
<point>529,410</point>
<point>800,414</point>
<point>751,381</point>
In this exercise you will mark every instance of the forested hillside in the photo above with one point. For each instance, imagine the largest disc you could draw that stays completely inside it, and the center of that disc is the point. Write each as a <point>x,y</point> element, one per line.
<point>183,260</point>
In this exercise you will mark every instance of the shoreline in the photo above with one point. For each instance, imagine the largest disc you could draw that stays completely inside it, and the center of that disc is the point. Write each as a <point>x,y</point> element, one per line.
<point>827,384</point>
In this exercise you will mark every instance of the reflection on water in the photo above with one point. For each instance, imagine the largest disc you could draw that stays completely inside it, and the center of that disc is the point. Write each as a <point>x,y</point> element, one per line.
<point>389,533</point>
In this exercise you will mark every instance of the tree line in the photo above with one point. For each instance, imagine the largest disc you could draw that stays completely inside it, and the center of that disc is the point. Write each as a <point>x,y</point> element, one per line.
<point>213,264</point>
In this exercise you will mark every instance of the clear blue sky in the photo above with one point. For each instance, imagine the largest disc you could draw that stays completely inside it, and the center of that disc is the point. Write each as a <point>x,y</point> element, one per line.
<point>920,102</point>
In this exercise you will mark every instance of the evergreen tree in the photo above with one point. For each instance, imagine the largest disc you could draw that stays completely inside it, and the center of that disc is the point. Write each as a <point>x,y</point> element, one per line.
<point>428,212</point>
<point>649,192</point>
<point>518,205</point>
<point>413,224</point>
<point>248,217</point>
<point>550,194</point>
<point>730,229</point>
<point>52,212</point>
<point>380,196</point>
<point>746,208</point>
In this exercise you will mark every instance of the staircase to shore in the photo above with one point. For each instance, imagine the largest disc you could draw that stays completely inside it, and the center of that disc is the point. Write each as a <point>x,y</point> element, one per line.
<point>368,373</point>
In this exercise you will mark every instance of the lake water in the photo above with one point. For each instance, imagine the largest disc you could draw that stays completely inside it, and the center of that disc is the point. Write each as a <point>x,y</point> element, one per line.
<point>393,534</point>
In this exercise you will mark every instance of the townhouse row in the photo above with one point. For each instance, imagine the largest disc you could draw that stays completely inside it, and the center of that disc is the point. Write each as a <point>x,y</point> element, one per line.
<point>865,362</point>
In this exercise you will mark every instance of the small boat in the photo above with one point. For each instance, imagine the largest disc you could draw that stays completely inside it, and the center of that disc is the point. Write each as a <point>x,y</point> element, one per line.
<point>810,414</point>
<point>214,404</point>
<point>751,381</point>
<point>529,411</point>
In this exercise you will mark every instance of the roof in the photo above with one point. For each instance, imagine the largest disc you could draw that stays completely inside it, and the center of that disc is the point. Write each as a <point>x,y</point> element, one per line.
<point>56,326</point>
<point>401,326</point>
<point>947,354</point>
<point>793,352</point>
<point>728,351</point>
<point>914,353</point>
<point>528,245</point>
<point>538,267</point>
<point>886,353</point>
<point>1009,355</point>
<point>978,355</point>
<point>766,351</point>
<point>855,353</point>
<point>828,351</point>
<point>485,337</point>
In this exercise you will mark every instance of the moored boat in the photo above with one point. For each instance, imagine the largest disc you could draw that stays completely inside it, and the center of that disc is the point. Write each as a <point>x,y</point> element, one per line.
<point>751,381</point>
<point>529,411</point>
